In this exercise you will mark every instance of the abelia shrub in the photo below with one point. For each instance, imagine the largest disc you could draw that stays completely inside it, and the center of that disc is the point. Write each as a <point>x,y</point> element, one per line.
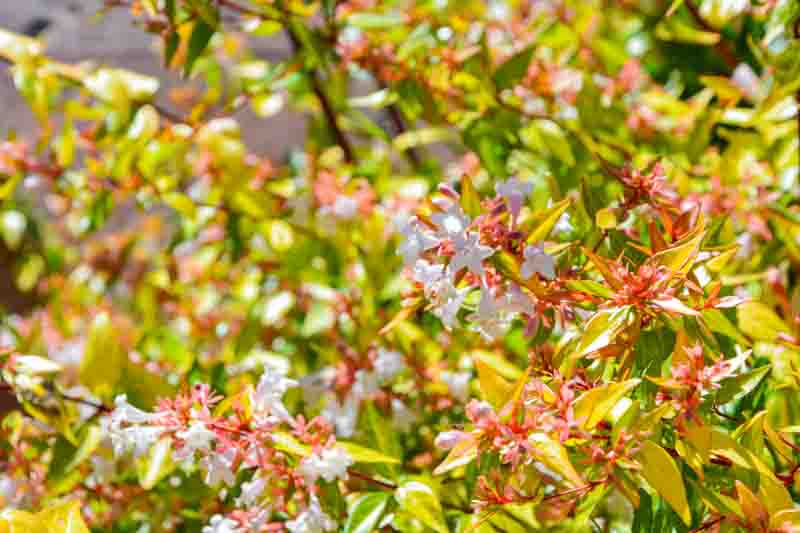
<point>534,267</point>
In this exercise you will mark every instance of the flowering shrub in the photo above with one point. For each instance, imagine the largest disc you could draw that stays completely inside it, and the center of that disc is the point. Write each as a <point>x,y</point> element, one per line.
<point>534,268</point>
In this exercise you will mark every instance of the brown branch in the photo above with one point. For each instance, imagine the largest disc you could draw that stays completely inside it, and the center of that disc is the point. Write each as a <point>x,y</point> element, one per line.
<point>327,107</point>
<point>723,47</point>
<point>364,477</point>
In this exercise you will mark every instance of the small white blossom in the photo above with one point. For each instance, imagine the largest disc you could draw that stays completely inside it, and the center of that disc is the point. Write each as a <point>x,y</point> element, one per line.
<point>343,416</point>
<point>196,437</point>
<point>220,524</point>
<point>490,320</point>
<point>537,261</point>
<point>312,520</point>
<point>447,440</point>
<point>136,439</point>
<point>415,241</point>
<point>517,301</point>
<point>428,274</point>
<point>268,396</point>
<point>218,468</point>
<point>470,253</point>
<point>514,192</point>
<point>345,207</point>
<point>452,222</point>
<point>126,433</point>
<point>331,464</point>
<point>457,383</point>
<point>251,492</point>
<point>388,364</point>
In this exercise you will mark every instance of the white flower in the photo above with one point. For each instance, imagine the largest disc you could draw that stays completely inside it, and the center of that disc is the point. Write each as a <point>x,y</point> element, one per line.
<point>345,207</point>
<point>536,260</point>
<point>268,396</point>
<point>563,225</point>
<point>470,253</point>
<point>490,320</point>
<point>218,467</point>
<point>196,437</point>
<point>428,274</point>
<point>514,192</point>
<point>517,301</point>
<point>447,440</point>
<point>452,222</point>
<point>388,364</point>
<point>457,383</point>
<point>366,384</point>
<point>220,524</point>
<point>136,439</point>
<point>312,520</point>
<point>343,416</point>
<point>437,286</point>
<point>251,491</point>
<point>125,412</point>
<point>415,241</point>
<point>331,464</point>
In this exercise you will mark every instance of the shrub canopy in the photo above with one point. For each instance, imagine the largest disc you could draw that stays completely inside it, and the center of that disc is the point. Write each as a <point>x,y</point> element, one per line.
<point>533,268</point>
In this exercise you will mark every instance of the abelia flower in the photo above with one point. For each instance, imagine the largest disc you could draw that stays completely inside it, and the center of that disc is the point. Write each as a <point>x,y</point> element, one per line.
<point>447,440</point>
<point>490,320</point>
<point>219,468</point>
<point>267,399</point>
<point>470,253</point>
<point>416,240</point>
<point>537,261</point>
<point>457,383</point>
<point>514,192</point>
<point>196,437</point>
<point>343,416</point>
<point>331,464</point>
<point>452,222</point>
<point>251,492</point>
<point>220,524</point>
<point>312,520</point>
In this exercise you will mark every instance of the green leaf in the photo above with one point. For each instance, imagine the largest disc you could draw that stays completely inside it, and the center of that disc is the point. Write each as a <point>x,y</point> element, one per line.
<point>419,500</point>
<point>661,472</point>
<point>595,404</point>
<point>470,199</point>
<point>63,518</point>
<point>360,454</point>
<point>602,329</point>
<point>740,385</point>
<point>375,21</point>
<point>103,359</point>
<point>366,513</point>
<point>494,388</point>
<point>553,454</point>
<point>198,41</point>
<point>543,222</point>
<point>719,323</point>
<point>760,322</point>
<point>513,69</point>
<point>461,454</point>
<point>680,256</point>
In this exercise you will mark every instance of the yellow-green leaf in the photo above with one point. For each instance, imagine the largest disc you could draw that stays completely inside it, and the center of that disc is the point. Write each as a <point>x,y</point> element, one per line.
<point>593,405</point>
<point>661,472</point>
<point>760,322</point>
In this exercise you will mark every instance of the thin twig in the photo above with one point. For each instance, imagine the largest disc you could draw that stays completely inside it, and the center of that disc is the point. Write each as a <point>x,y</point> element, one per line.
<point>327,108</point>
<point>364,477</point>
<point>723,47</point>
